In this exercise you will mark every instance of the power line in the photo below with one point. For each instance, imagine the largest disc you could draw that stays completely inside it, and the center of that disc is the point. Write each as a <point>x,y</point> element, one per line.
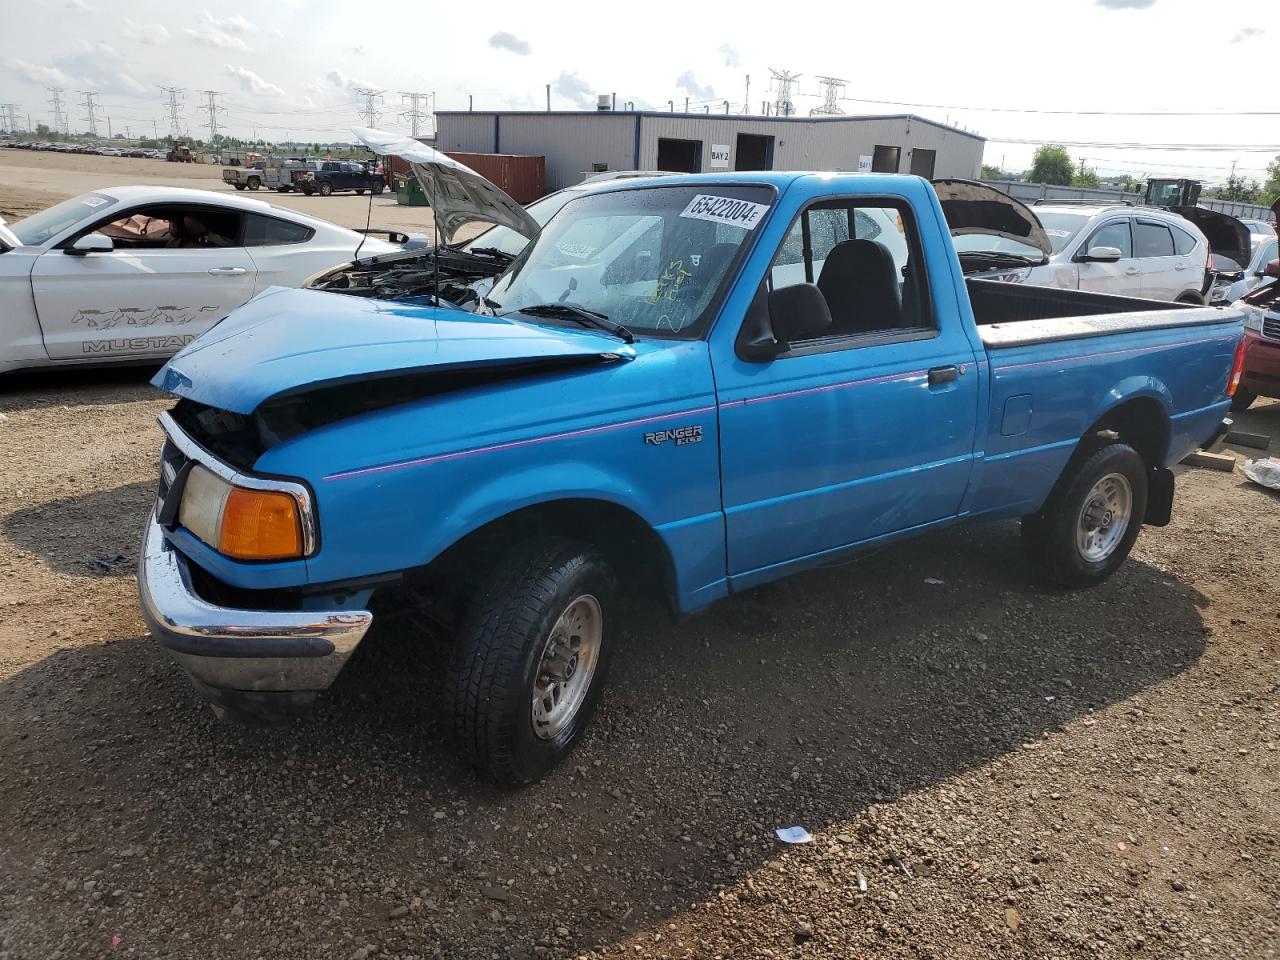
<point>212,108</point>
<point>1174,147</point>
<point>174,104</point>
<point>12,110</point>
<point>91,109</point>
<point>413,113</point>
<point>59,117</point>
<point>372,98</point>
<point>1072,113</point>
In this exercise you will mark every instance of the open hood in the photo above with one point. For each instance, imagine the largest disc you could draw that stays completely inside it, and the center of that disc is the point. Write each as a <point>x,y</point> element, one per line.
<point>972,207</point>
<point>1227,236</point>
<point>457,194</point>
<point>286,341</point>
<point>8,239</point>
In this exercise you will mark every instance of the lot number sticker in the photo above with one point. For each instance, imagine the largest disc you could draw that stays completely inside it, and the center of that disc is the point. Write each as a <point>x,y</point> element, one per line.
<point>726,210</point>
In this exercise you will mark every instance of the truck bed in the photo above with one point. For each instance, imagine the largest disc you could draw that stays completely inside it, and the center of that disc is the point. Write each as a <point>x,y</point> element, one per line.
<point>1009,315</point>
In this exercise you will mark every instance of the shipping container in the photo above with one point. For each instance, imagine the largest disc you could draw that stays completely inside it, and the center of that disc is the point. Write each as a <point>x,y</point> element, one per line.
<point>522,177</point>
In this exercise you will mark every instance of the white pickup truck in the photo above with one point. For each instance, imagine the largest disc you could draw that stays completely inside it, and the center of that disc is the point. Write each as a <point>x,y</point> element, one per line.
<point>242,178</point>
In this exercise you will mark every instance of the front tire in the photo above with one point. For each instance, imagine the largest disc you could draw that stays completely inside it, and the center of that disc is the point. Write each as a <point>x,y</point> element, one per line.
<point>377,188</point>
<point>254,183</point>
<point>239,186</point>
<point>1242,400</point>
<point>326,188</point>
<point>529,663</point>
<point>1088,525</point>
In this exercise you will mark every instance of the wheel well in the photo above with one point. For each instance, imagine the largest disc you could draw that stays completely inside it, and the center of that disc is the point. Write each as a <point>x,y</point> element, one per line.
<point>1194,298</point>
<point>633,548</point>
<point>1140,422</point>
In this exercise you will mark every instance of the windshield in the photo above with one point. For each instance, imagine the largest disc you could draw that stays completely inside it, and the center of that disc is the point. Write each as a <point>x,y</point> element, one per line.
<point>39,227</point>
<point>1060,227</point>
<point>653,259</point>
<point>505,240</point>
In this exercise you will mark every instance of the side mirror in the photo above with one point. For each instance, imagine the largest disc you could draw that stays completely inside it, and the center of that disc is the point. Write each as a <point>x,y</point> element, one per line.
<point>1272,269</point>
<point>1102,255</point>
<point>91,243</point>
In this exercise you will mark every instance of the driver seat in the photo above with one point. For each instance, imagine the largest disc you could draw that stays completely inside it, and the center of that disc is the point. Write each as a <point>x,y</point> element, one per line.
<point>860,282</point>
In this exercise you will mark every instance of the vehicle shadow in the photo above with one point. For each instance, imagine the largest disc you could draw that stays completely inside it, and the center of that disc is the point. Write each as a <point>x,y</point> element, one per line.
<point>93,534</point>
<point>804,702</point>
<point>107,385</point>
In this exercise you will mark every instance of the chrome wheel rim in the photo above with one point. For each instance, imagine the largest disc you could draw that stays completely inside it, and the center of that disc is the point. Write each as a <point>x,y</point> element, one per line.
<point>1104,517</point>
<point>566,667</point>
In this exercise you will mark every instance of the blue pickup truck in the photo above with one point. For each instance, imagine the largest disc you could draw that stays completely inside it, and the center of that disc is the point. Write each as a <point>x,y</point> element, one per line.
<point>682,387</point>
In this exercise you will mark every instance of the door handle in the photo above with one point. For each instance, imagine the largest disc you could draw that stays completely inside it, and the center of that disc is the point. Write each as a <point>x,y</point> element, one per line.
<point>1132,272</point>
<point>227,271</point>
<point>940,375</point>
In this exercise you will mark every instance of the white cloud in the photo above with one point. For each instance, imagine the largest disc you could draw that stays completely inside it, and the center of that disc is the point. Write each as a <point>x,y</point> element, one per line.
<point>227,32</point>
<point>1126,4</point>
<point>253,84</point>
<point>80,6</point>
<point>730,55</point>
<point>152,34</point>
<point>509,41</point>
<point>39,75</point>
<point>1247,33</point>
<point>690,85</point>
<point>572,87</point>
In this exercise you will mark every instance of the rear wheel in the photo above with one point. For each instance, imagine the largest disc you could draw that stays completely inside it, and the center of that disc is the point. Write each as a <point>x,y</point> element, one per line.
<point>326,188</point>
<point>529,662</point>
<point>1088,526</point>
<point>239,186</point>
<point>377,188</point>
<point>360,192</point>
<point>1242,400</point>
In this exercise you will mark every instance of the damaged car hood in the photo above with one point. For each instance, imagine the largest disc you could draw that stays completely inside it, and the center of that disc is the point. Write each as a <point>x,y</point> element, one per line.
<point>975,208</point>
<point>1227,236</point>
<point>457,194</point>
<point>289,340</point>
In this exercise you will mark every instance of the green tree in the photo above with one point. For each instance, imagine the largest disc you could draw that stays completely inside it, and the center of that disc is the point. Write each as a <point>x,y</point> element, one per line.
<point>991,173</point>
<point>1084,178</point>
<point>1051,164</point>
<point>1270,192</point>
<point>1237,190</point>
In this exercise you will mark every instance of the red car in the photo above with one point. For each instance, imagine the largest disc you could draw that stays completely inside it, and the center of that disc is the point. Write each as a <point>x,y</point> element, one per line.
<point>1261,377</point>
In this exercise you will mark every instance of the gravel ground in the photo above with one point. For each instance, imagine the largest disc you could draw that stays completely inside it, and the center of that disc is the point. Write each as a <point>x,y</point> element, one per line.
<point>989,768</point>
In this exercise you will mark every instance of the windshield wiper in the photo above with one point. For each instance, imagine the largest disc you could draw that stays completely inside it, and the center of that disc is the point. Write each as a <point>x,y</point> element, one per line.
<point>492,252</point>
<point>999,259</point>
<point>588,318</point>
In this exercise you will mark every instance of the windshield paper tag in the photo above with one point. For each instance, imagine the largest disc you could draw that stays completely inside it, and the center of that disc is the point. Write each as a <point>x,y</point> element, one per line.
<point>726,210</point>
<point>94,201</point>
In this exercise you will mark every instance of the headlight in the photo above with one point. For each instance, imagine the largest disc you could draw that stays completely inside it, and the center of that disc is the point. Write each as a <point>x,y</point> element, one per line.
<point>1011,276</point>
<point>238,522</point>
<point>1253,319</point>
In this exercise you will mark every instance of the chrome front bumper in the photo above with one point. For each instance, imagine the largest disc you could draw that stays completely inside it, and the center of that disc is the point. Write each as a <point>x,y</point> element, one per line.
<point>228,651</point>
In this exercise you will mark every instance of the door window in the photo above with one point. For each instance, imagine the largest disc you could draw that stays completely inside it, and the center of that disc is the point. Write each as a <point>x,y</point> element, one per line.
<point>1151,240</point>
<point>1113,235</point>
<point>168,227</point>
<point>865,259</point>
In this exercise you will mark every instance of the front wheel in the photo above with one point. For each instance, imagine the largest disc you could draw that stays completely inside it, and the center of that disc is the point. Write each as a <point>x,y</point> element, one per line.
<point>376,189</point>
<point>326,188</point>
<point>1087,527</point>
<point>239,186</point>
<point>254,183</point>
<point>529,662</point>
<point>1242,400</point>
<point>360,191</point>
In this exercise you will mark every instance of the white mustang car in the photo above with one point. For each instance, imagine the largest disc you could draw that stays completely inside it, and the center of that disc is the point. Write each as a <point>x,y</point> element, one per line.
<point>136,273</point>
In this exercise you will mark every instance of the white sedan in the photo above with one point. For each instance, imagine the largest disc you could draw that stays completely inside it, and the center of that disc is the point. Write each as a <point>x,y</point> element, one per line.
<point>136,273</point>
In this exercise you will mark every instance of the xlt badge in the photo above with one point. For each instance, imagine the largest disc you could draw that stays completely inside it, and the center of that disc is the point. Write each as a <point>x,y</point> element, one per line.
<point>679,435</point>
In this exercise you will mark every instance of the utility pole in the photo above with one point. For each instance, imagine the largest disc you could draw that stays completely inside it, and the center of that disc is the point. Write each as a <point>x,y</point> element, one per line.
<point>372,98</point>
<point>832,91</point>
<point>155,128</point>
<point>91,109</point>
<point>109,136</point>
<point>212,108</point>
<point>415,114</point>
<point>174,104</point>
<point>59,117</point>
<point>784,79</point>
<point>746,100</point>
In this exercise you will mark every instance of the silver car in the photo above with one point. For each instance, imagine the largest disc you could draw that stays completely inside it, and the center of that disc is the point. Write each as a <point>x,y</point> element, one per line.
<point>1232,282</point>
<point>1123,250</point>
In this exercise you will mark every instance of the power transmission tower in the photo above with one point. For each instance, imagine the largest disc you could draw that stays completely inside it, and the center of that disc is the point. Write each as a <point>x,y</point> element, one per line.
<point>212,108</point>
<point>832,91</point>
<point>372,98</point>
<point>91,109</point>
<point>783,80</point>
<point>174,103</point>
<point>414,114</point>
<point>59,117</point>
<point>12,109</point>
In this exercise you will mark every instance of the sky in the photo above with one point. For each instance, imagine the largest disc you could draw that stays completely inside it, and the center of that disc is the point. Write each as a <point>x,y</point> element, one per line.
<point>1032,72</point>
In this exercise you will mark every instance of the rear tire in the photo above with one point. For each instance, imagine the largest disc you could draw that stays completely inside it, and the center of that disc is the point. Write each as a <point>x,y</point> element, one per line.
<point>530,659</point>
<point>376,189</point>
<point>1088,525</point>
<point>1243,400</point>
<point>326,188</point>
<point>360,192</point>
<point>239,186</point>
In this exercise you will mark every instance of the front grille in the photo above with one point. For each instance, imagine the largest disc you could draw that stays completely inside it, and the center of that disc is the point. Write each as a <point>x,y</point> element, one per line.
<point>1271,326</point>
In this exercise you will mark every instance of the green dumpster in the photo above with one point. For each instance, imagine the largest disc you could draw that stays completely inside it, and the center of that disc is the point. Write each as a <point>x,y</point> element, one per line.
<point>409,192</point>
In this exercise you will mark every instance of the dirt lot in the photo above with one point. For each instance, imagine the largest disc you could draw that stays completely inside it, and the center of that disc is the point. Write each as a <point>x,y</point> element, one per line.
<point>1012,771</point>
<point>31,180</point>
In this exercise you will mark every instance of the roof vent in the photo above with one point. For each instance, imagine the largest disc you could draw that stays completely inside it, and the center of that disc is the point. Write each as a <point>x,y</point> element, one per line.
<point>604,102</point>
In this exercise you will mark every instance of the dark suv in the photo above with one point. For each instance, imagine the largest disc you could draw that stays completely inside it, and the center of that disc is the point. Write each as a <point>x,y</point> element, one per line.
<point>333,176</point>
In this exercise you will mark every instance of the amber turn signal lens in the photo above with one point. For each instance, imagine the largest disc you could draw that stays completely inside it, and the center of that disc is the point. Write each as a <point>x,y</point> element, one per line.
<point>260,525</point>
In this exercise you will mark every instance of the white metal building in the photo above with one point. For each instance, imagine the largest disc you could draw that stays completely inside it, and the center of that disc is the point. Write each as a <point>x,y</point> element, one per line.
<point>582,142</point>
